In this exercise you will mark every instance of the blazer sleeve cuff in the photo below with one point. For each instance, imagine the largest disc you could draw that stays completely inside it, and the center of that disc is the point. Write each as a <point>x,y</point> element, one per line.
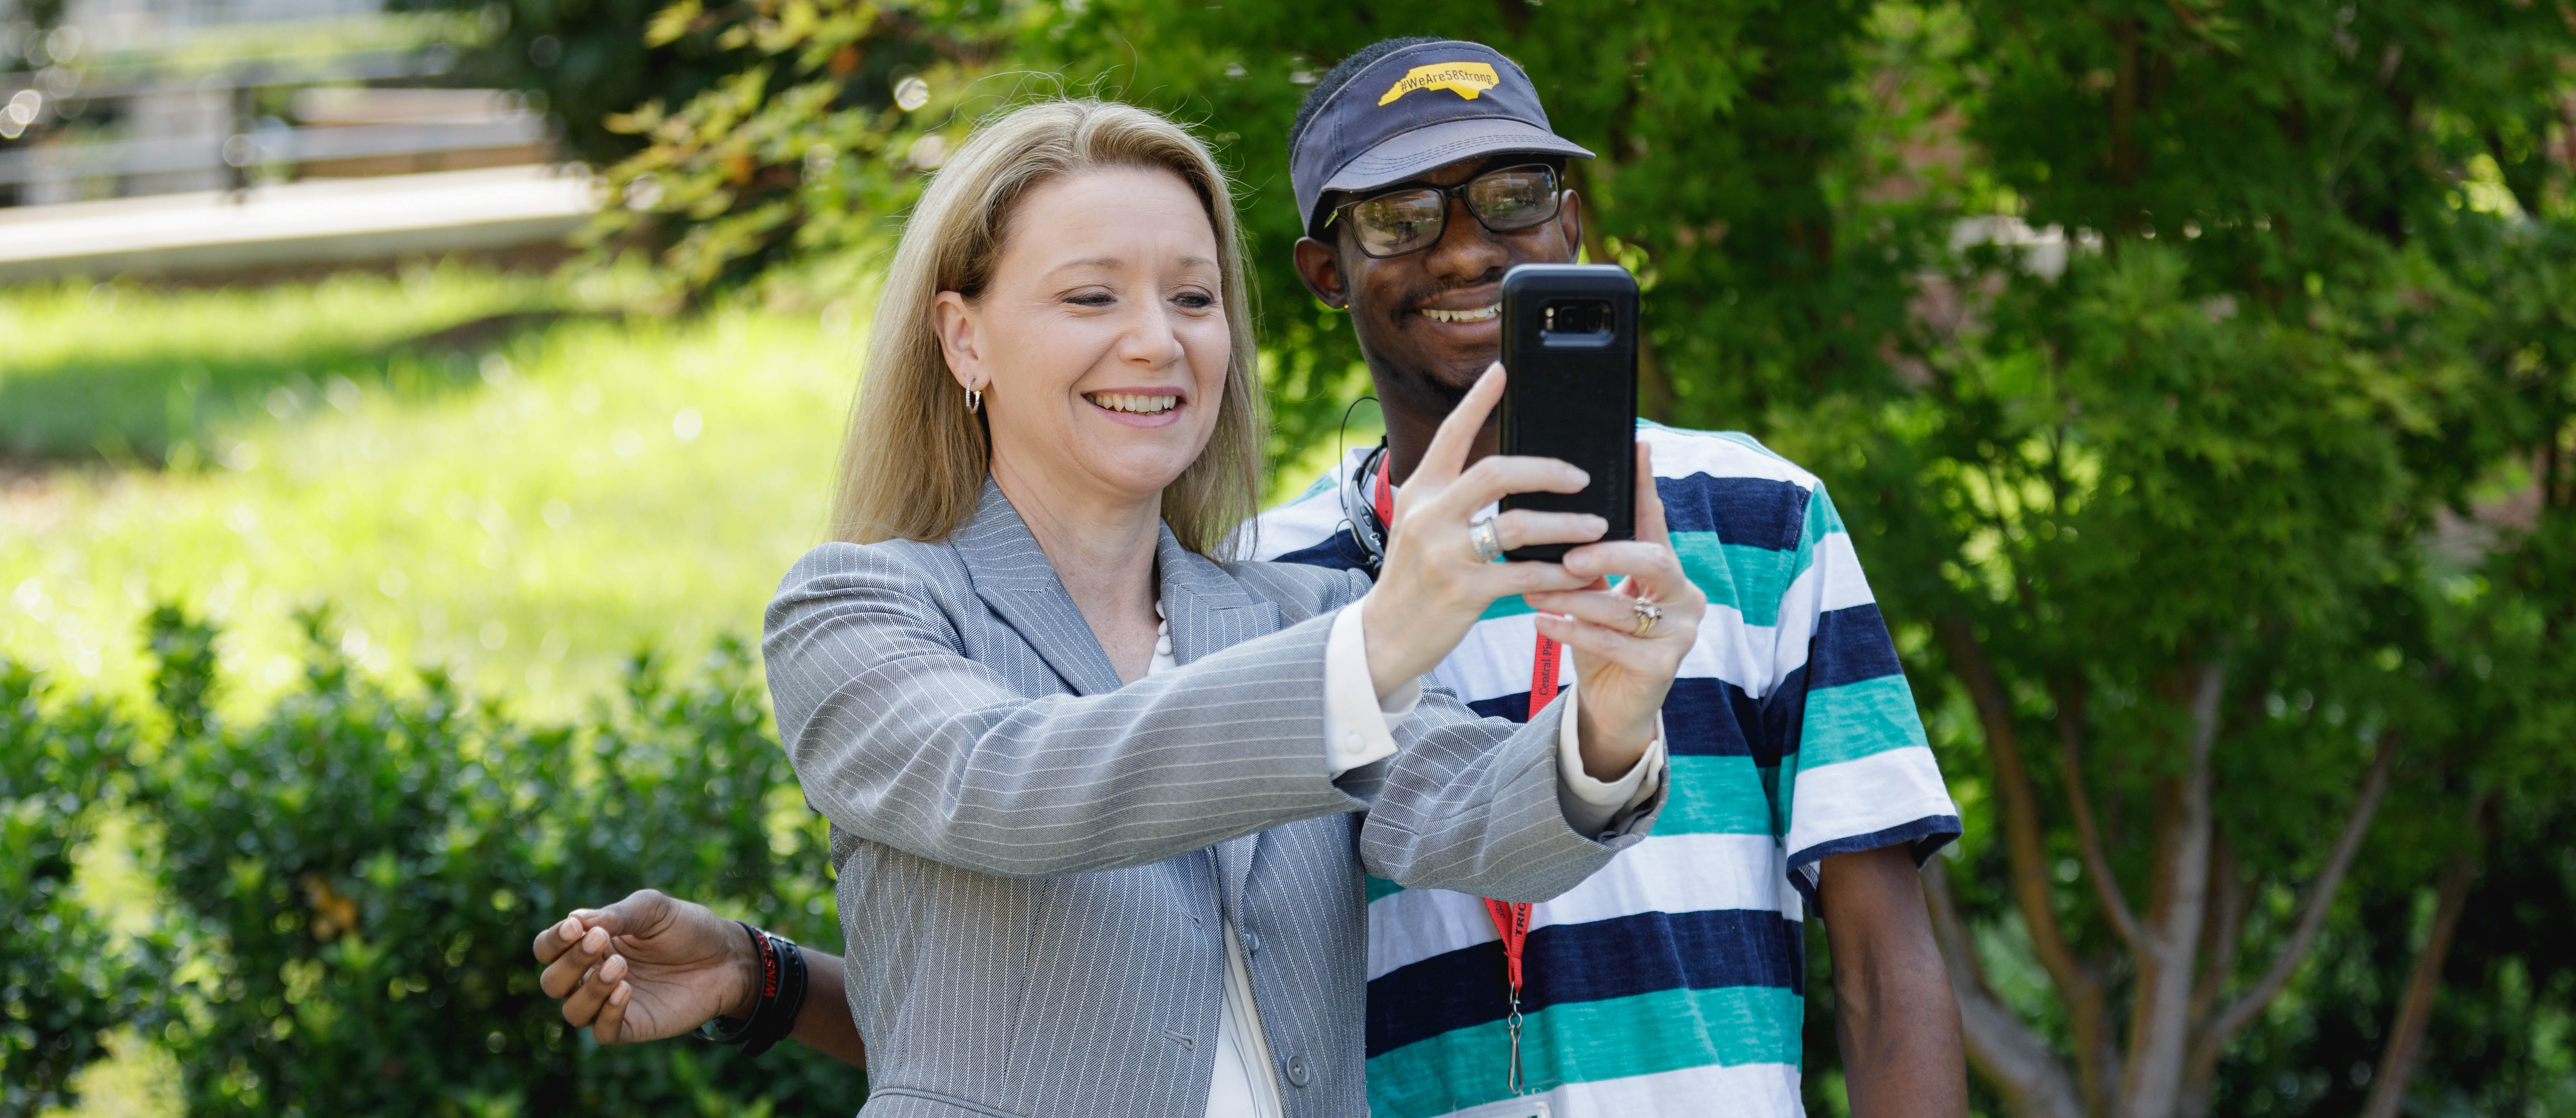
<point>1358,725</point>
<point>1591,806</point>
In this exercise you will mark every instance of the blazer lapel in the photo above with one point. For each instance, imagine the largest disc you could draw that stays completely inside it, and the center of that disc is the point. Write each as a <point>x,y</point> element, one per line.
<point>1207,611</point>
<point>1012,575</point>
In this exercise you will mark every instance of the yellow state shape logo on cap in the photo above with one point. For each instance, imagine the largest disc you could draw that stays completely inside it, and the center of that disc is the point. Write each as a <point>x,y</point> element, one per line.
<point>1466,79</point>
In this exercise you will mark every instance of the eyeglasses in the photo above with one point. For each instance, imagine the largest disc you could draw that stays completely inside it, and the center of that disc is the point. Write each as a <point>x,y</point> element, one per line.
<point>1412,218</point>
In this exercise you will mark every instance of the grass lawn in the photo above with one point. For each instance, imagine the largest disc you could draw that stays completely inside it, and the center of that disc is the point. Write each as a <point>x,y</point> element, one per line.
<point>526,517</point>
<point>127,375</point>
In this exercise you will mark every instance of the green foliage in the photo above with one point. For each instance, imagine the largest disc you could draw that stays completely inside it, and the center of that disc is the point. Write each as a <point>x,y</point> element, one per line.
<point>362,869</point>
<point>64,977</point>
<point>804,148</point>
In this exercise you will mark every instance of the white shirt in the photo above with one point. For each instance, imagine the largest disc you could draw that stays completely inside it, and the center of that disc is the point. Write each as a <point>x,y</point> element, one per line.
<point>1359,730</point>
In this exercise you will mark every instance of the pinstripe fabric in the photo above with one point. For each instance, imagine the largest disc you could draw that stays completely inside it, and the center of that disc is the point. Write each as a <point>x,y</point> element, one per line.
<point>1026,886</point>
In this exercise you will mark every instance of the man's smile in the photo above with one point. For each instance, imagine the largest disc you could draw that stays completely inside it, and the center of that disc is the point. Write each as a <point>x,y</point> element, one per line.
<point>1484,313</point>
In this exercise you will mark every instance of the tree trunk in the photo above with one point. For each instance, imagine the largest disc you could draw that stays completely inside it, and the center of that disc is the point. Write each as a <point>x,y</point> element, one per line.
<point>2424,978</point>
<point>2005,1051</point>
<point>2169,937</point>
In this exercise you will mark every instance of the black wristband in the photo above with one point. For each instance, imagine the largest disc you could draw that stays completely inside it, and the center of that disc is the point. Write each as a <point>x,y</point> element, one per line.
<point>775,1004</point>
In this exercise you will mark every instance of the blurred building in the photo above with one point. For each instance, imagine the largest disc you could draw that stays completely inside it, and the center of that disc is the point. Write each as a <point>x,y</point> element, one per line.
<point>186,135</point>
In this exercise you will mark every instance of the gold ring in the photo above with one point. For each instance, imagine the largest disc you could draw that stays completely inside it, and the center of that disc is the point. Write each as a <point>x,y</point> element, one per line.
<point>1649,615</point>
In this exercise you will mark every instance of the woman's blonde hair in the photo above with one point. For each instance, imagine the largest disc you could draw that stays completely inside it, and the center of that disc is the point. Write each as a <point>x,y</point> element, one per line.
<point>914,462</point>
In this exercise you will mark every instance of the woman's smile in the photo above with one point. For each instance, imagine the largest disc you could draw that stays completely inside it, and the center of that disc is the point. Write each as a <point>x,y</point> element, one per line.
<point>1139,407</point>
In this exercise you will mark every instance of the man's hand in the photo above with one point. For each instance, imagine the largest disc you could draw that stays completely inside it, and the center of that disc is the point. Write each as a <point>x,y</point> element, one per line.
<point>1893,1010</point>
<point>648,967</point>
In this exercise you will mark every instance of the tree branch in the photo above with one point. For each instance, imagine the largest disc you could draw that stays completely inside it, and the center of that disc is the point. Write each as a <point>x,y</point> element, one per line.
<point>2321,895</point>
<point>2003,1049</point>
<point>2424,978</point>
<point>2032,894</point>
<point>2088,838</point>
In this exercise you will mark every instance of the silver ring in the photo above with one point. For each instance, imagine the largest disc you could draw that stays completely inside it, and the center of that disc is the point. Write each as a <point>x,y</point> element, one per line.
<point>1487,538</point>
<point>1649,615</point>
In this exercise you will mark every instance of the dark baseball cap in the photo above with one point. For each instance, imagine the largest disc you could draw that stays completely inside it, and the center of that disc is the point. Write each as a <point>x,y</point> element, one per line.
<point>1419,108</point>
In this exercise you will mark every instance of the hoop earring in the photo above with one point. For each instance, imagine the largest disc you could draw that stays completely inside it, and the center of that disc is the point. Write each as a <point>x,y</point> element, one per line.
<point>974,400</point>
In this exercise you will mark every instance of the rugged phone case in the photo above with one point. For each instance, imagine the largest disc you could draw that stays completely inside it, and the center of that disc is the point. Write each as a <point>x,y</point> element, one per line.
<point>1570,350</point>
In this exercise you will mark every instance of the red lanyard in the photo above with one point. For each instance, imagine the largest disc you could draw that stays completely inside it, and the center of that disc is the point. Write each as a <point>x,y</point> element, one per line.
<point>1511,922</point>
<point>1511,919</point>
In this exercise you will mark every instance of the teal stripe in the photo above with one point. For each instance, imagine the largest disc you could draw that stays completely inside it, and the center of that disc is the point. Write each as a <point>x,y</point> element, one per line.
<point>1586,1042</point>
<point>1515,605</point>
<point>1721,796</point>
<point>1710,796</point>
<point>1751,579</point>
<point>1857,720</point>
<point>1821,517</point>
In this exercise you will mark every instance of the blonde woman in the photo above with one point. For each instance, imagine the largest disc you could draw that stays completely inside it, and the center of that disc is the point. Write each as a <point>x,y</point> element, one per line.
<point>1102,805</point>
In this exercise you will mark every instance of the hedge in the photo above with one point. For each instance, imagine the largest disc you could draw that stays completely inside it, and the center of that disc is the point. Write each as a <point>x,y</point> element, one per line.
<point>353,879</point>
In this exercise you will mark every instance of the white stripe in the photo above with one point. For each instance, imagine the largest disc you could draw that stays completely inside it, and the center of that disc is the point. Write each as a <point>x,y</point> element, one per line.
<point>1665,873</point>
<point>1494,660</point>
<point>1831,581</point>
<point>1866,796</point>
<point>1844,586</point>
<point>1300,524</point>
<point>1730,650</point>
<point>1767,1089</point>
<point>1679,454</point>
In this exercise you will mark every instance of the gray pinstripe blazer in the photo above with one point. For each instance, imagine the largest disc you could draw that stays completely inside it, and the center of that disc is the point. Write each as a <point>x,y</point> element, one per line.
<point>1034,861</point>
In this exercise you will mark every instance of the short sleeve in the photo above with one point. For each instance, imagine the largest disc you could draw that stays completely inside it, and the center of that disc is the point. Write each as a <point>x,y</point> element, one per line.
<point>1861,771</point>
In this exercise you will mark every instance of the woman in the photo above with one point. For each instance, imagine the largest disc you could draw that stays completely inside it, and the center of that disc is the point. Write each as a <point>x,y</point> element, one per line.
<point>1102,806</point>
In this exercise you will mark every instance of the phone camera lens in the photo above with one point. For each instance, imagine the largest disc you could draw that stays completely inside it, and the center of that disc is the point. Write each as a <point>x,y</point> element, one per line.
<point>1584,316</point>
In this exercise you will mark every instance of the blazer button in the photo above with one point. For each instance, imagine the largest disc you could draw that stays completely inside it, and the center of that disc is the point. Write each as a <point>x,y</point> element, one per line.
<point>1297,1075</point>
<point>1252,943</point>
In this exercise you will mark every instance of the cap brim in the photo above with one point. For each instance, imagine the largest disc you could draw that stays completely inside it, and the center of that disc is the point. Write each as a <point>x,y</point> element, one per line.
<point>1410,154</point>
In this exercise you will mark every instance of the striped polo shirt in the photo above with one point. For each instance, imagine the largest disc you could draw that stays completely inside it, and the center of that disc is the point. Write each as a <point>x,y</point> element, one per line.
<point>1672,981</point>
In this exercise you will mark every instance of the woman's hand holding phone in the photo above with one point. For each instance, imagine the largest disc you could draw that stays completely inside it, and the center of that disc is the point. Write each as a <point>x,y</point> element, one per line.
<point>1434,585</point>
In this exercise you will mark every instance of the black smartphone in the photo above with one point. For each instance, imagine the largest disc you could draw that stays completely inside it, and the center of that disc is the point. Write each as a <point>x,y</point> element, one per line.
<point>1570,353</point>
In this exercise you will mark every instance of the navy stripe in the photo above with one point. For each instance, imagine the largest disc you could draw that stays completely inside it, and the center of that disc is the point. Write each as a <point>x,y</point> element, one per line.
<point>1752,511</point>
<point>1703,716</point>
<point>1784,718</point>
<point>1851,645</point>
<point>1562,963</point>
<point>1337,551</point>
<point>1926,837</point>
<point>1514,707</point>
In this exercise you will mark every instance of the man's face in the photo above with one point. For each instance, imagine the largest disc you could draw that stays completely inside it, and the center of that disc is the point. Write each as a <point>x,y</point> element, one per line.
<point>1429,322</point>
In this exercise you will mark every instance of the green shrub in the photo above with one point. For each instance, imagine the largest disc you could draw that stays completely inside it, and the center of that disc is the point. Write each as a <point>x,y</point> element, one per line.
<point>64,977</point>
<point>361,870</point>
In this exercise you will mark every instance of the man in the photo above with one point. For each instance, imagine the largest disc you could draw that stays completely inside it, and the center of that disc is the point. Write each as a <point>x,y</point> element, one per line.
<point>1668,983</point>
